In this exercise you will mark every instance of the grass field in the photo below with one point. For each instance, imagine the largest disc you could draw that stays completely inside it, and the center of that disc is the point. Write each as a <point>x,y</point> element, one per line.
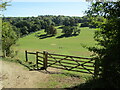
<point>66,45</point>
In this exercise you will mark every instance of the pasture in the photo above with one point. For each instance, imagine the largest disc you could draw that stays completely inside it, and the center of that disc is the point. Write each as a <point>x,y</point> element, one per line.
<point>66,45</point>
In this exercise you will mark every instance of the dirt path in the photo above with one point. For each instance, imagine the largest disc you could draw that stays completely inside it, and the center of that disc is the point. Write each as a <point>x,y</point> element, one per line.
<point>14,75</point>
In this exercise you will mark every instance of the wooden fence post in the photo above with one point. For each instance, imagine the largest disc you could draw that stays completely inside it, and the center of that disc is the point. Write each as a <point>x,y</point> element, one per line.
<point>45,54</point>
<point>37,60</point>
<point>4,53</point>
<point>96,69</point>
<point>26,56</point>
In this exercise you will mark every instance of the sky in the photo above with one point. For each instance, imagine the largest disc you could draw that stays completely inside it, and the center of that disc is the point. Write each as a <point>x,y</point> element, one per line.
<point>47,0</point>
<point>25,8</point>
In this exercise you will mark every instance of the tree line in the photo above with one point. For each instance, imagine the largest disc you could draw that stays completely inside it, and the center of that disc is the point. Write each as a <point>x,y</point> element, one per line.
<point>26,25</point>
<point>16,27</point>
<point>22,26</point>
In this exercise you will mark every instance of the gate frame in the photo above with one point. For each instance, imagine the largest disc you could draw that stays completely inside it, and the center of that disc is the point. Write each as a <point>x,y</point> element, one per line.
<point>45,61</point>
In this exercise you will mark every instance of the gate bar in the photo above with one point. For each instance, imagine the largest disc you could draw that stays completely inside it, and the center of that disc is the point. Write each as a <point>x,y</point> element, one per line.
<point>45,54</point>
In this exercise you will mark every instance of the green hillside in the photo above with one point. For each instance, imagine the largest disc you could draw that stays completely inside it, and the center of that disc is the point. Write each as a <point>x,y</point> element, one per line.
<point>65,45</point>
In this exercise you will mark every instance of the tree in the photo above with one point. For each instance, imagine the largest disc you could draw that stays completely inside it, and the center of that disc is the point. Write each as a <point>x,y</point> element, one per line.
<point>3,5</point>
<point>69,21</point>
<point>51,30</point>
<point>66,22</point>
<point>76,30</point>
<point>9,38</point>
<point>108,37</point>
<point>70,30</point>
<point>67,30</point>
<point>24,30</point>
<point>85,24</point>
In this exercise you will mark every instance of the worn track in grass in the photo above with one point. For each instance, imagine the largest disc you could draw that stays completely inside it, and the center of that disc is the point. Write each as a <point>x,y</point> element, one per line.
<point>14,75</point>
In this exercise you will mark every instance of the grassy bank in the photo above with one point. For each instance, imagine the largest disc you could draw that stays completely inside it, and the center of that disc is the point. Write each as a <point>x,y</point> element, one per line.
<point>66,45</point>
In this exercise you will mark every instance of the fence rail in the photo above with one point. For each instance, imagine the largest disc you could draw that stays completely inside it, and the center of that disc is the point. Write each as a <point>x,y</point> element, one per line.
<point>66,62</point>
